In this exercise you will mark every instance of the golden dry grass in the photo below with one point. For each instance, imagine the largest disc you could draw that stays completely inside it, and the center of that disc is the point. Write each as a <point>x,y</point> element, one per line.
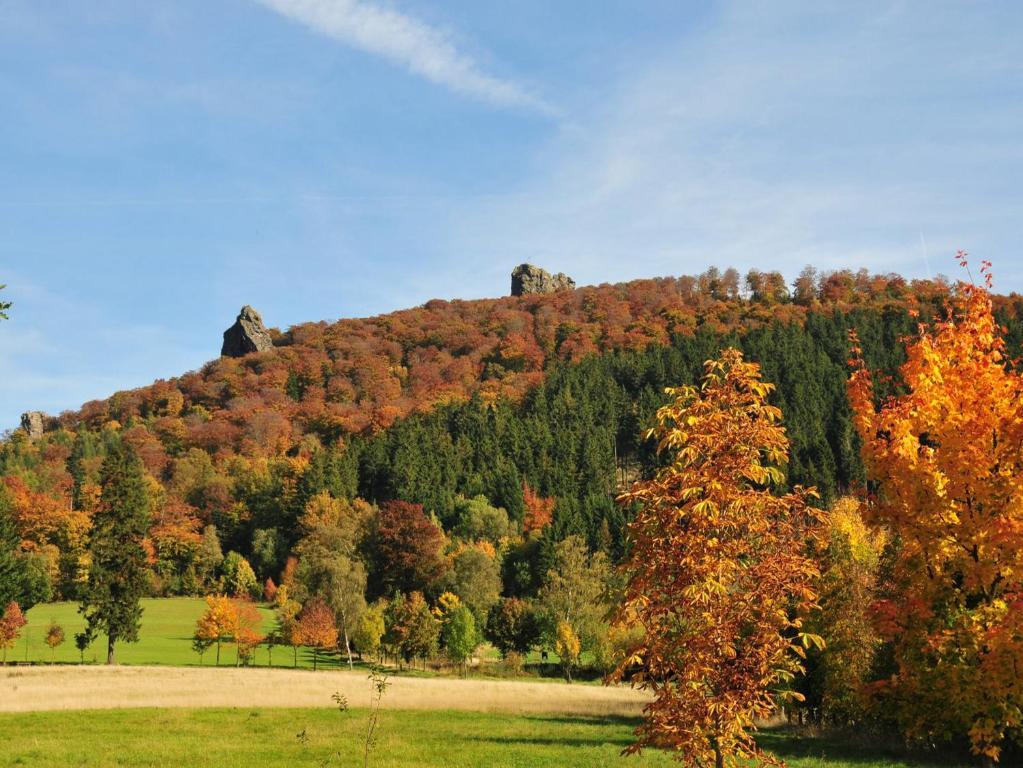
<point>26,689</point>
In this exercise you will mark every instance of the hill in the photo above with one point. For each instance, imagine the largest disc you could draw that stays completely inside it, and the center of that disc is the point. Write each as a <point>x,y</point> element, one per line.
<point>533,404</point>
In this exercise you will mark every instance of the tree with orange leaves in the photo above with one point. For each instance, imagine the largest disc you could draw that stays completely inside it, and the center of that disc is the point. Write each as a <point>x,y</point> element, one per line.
<point>11,622</point>
<point>245,630</point>
<point>317,627</point>
<point>539,510</point>
<point>217,622</point>
<point>717,582</point>
<point>946,459</point>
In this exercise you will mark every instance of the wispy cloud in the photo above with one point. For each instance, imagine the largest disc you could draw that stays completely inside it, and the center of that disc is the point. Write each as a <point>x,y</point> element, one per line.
<point>402,39</point>
<point>752,146</point>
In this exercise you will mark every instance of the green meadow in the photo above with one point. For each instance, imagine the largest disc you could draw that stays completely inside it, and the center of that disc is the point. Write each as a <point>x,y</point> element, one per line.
<point>241,738</point>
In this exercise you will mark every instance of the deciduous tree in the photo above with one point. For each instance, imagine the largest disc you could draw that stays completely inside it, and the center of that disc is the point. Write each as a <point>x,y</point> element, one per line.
<point>567,646</point>
<point>717,578</point>
<point>408,547</point>
<point>459,636</point>
<point>54,637</point>
<point>317,627</point>
<point>946,458</point>
<point>216,623</point>
<point>511,626</point>
<point>11,623</point>
<point>245,630</point>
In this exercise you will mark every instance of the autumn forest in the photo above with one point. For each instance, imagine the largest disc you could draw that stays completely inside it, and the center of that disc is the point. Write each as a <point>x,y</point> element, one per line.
<point>749,497</point>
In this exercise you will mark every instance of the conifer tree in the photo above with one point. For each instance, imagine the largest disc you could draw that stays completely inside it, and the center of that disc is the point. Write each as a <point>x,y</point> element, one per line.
<point>117,575</point>
<point>12,567</point>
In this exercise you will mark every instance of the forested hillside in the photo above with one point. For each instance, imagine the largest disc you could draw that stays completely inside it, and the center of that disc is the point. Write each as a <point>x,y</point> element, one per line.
<point>513,422</point>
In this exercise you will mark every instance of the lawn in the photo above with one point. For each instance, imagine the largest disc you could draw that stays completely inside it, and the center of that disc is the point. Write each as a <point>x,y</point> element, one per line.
<point>303,737</point>
<point>166,639</point>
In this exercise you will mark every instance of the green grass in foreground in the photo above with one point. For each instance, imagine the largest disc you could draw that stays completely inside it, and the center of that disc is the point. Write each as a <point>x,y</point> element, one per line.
<point>247,738</point>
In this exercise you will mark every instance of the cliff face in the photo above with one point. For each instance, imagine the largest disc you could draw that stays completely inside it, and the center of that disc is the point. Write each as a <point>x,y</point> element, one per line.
<point>34,423</point>
<point>248,334</point>
<point>528,279</point>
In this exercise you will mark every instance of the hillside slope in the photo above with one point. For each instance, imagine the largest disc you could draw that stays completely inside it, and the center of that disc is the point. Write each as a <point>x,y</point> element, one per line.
<point>536,403</point>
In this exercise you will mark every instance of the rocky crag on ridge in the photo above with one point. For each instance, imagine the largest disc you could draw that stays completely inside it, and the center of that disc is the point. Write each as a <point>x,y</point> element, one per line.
<point>527,279</point>
<point>248,334</point>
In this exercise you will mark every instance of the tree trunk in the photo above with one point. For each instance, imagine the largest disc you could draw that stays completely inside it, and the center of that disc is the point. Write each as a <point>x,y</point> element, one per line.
<point>348,650</point>
<point>111,639</point>
<point>218,652</point>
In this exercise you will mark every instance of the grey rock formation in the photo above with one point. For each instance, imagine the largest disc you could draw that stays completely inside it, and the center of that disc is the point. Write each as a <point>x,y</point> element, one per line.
<point>527,279</point>
<point>33,422</point>
<point>248,334</point>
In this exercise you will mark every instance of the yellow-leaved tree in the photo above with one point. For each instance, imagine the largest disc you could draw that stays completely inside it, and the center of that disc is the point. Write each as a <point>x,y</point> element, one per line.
<point>717,576</point>
<point>946,459</point>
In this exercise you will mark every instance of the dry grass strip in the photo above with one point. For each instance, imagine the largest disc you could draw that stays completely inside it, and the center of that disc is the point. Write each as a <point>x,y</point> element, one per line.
<point>25,689</point>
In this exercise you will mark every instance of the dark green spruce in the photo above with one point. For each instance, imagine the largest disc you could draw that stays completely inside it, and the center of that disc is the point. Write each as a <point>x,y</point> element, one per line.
<point>117,576</point>
<point>13,570</point>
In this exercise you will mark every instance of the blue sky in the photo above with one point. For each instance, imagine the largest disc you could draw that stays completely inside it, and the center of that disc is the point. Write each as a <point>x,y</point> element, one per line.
<point>163,163</point>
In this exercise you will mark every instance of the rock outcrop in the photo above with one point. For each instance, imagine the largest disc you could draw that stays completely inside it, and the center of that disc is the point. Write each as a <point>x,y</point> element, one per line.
<point>34,423</point>
<point>527,279</point>
<point>248,334</point>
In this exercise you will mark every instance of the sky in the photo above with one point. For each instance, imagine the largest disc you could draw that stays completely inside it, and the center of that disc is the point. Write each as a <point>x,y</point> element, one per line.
<point>162,164</point>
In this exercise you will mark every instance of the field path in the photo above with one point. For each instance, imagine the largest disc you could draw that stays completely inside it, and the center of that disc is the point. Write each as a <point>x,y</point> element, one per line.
<point>26,689</point>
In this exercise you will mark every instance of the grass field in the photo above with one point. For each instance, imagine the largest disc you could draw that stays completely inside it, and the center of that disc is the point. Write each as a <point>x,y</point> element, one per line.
<point>166,639</point>
<point>269,737</point>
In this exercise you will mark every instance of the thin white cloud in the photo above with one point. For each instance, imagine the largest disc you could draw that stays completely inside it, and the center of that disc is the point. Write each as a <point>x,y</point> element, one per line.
<point>397,37</point>
<point>753,146</point>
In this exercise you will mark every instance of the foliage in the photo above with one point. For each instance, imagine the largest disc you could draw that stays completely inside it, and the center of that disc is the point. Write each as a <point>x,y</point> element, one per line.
<point>837,674</point>
<point>54,636</point>
<point>245,630</point>
<point>412,629</point>
<point>82,642</point>
<point>573,592</point>
<point>11,623</point>
<point>215,625</point>
<point>117,573</point>
<point>945,456</point>
<point>512,627</point>
<point>317,627</point>
<point>476,519</point>
<point>458,635</point>
<point>475,577</point>
<point>567,646</point>
<point>539,511</point>
<point>407,548</point>
<point>4,306</point>
<point>239,578</point>
<point>717,580</point>
<point>13,566</point>
<point>370,631</point>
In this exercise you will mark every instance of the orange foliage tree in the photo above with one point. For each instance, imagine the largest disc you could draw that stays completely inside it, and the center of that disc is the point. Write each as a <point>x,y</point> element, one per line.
<point>317,627</point>
<point>245,630</point>
<point>947,461</point>
<point>539,510</point>
<point>217,622</point>
<point>11,623</point>
<point>717,582</point>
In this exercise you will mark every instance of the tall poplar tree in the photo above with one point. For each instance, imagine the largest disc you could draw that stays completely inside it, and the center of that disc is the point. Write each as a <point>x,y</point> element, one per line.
<point>117,575</point>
